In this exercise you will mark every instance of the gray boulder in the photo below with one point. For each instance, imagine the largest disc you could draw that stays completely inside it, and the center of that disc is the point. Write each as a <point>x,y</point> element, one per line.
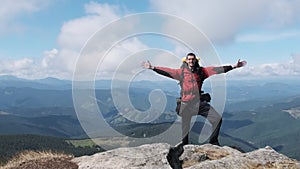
<point>153,156</point>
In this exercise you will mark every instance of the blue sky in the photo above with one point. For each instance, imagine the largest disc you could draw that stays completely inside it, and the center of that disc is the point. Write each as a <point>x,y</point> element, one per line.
<point>44,38</point>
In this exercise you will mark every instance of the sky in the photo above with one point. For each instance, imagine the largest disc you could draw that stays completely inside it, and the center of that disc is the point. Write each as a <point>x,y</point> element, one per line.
<point>48,38</point>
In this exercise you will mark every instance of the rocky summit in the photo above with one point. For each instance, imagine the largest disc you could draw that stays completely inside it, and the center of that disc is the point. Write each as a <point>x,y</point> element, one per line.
<point>207,156</point>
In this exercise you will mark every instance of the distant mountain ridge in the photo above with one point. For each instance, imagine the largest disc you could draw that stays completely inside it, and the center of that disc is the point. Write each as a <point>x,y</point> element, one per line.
<point>236,89</point>
<point>46,83</point>
<point>59,84</point>
<point>255,112</point>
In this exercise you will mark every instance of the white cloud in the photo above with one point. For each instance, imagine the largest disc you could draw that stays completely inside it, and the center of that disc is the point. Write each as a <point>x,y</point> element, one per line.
<point>264,37</point>
<point>49,55</point>
<point>222,20</point>
<point>9,10</point>
<point>74,34</point>
<point>295,64</point>
<point>73,37</point>
<point>290,68</point>
<point>19,66</point>
<point>283,13</point>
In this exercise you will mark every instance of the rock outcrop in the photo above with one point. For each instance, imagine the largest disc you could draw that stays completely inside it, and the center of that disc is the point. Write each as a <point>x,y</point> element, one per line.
<point>153,156</point>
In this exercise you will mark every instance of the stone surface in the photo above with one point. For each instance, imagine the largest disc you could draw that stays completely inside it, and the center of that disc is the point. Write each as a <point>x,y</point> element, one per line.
<point>153,156</point>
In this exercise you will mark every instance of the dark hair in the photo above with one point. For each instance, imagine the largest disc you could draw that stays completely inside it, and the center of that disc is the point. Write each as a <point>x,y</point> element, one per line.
<point>191,54</point>
<point>197,66</point>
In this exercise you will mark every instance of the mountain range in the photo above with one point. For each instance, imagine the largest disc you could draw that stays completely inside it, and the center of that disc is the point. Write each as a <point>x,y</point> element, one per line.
<point>257,112</point>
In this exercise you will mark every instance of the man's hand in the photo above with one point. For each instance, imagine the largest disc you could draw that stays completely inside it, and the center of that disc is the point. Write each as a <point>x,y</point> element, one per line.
<point>240,64</point>
<point>147,65</point>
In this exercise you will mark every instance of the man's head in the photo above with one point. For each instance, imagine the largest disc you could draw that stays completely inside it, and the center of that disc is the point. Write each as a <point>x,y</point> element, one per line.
<point>191,60</point>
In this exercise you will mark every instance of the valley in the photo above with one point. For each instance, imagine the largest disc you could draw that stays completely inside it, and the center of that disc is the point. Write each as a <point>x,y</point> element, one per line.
<point>257,114</point>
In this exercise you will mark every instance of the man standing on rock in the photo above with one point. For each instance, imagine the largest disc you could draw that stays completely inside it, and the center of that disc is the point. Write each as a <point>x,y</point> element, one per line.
<point>191,76</point>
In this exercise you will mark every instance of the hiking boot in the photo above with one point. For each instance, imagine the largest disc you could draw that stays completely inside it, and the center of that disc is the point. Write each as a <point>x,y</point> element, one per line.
<point>215,143</point>
<point>173,156</point>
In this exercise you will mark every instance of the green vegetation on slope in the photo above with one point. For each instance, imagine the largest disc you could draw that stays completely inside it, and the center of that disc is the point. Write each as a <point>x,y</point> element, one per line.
<point>10,145</point>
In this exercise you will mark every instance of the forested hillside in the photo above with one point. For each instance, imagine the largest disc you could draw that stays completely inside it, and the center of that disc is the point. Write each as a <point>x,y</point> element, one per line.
<point>10,145</point>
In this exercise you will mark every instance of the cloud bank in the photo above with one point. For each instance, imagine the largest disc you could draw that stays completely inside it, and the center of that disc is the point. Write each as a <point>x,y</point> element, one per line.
<point>290,68</point>
<point>11,10</point>
<point>221,21</point>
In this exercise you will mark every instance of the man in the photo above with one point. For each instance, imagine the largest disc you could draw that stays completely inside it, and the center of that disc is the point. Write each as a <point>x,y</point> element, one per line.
<point>191,77</point>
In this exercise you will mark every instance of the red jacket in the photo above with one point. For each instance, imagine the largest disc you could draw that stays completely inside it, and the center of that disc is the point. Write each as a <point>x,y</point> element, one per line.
<point>191,81</point>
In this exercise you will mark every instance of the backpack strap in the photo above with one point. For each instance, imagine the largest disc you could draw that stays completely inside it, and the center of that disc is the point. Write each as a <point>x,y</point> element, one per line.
<point>182,77</point>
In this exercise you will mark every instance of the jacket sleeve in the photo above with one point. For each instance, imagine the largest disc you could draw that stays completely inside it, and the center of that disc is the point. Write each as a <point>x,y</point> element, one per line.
<point>168,72</point>
<point>213,70</point>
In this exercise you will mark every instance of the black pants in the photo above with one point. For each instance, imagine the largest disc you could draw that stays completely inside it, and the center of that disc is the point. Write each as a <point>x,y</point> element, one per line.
<point>190,109</point>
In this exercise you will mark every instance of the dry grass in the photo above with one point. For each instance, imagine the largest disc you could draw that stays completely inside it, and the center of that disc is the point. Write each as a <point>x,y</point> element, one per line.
<point>213,154</point>
<point>285,164</point>
<point>40,160</point>
<point>208,154</point>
